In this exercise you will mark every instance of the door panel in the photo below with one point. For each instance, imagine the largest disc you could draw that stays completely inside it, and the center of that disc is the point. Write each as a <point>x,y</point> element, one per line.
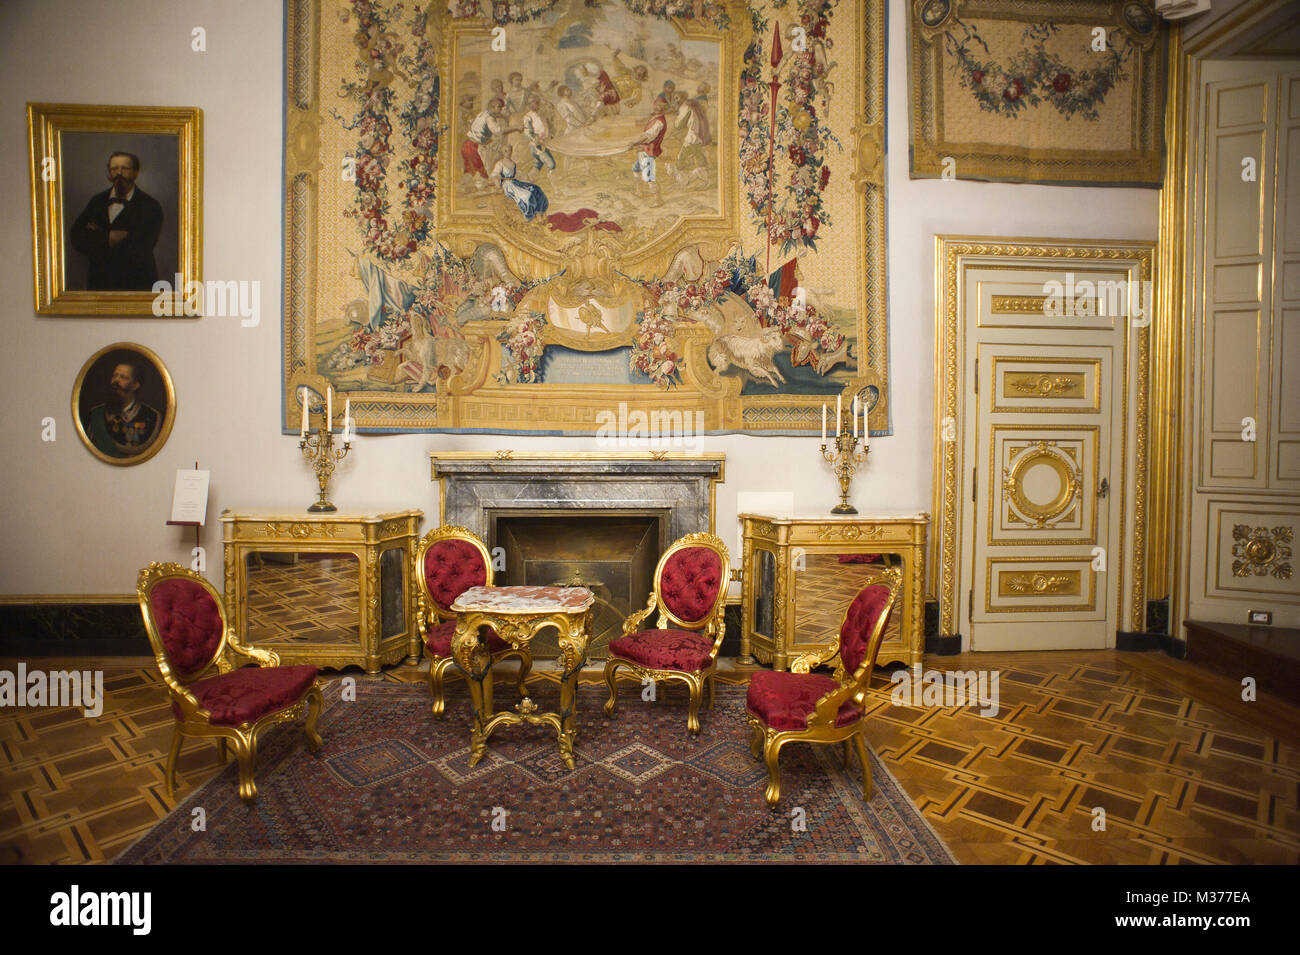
<point>1044,426</point>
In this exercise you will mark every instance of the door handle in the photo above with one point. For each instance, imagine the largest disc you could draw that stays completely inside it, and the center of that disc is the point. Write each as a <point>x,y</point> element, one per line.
<point>1103,489</point>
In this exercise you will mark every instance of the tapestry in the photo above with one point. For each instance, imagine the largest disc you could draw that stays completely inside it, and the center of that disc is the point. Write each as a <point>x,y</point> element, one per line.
<point>527,216</point>
<point>1067,92</point>
<point>393,785</point>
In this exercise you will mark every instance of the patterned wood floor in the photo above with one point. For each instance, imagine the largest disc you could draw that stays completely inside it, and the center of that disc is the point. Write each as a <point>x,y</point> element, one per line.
<point>1185,771</point>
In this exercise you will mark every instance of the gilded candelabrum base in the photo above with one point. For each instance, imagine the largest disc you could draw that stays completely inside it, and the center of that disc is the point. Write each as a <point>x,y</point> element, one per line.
<point>320,451</point>
<point>844,459</point>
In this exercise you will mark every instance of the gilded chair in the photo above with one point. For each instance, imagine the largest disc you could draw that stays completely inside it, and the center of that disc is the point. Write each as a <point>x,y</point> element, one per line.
<point>800,706</point>
<point>449,561</point>
<point>690,592</point>
<point>188,631</point>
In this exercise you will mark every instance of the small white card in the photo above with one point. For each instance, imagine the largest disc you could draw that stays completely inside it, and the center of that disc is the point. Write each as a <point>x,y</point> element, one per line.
<point>190,497</point>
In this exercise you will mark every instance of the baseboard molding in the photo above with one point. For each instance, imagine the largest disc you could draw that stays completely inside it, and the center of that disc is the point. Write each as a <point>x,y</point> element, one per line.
<point>948,645</point>
<point>1135,641</point>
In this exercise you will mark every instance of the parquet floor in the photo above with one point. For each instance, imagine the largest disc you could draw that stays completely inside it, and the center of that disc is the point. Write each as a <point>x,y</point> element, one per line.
<point>1185,771</point>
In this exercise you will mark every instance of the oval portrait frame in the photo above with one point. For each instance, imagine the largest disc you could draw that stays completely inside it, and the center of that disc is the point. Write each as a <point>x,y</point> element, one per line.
<point>168,414</point>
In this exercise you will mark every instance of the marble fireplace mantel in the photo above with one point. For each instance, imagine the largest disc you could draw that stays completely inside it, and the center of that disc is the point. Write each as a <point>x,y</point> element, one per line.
<point>473,485</point>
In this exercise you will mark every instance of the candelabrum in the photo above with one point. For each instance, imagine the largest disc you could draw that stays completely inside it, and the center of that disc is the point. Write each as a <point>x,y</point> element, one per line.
<point>318,448</point>
<point>844,460</point>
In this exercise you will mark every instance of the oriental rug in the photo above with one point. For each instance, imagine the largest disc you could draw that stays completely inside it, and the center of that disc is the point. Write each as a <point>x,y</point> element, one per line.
<point>393,785</point>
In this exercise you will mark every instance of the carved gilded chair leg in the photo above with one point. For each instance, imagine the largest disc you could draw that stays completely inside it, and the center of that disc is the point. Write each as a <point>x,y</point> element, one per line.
<point>693,714</point>
<point>771,753</point>
<point>436,670</point>
<point>222,754</point>
<point>246,753</point>
<point>315,701</point>
<point>173,751</point>
<point>611,680</point>
<point>848,752</point>
<point>868,788</point>
<point>755,741</point>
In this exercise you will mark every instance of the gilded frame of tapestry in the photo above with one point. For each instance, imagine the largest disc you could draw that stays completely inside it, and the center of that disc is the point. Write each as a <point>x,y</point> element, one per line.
<point>952,254</point>
<point>947,51</point>
<point>483,392</point>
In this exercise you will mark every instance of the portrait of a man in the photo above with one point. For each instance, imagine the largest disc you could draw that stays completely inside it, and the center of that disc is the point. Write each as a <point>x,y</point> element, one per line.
<point>117,231</point>
<point>124,404</point>
<point>117,197</point>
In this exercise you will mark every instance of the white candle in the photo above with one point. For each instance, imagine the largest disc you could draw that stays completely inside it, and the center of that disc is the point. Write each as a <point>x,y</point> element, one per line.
<point>866,430</point>
<point>302,394</point>
<point>838,412</point>
<point>329,408</point>
<point>823,422</point>
<point>347,419</point>
<point>855,416</point>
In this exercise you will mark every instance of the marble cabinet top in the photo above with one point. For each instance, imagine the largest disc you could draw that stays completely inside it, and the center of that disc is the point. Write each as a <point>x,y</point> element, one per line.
<point>524,600</point>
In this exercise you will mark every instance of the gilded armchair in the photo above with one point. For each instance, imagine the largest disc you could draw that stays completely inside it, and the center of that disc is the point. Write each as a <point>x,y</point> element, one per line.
<point>801,706</point>
<point>690,592</point>
<point>448,561</point>
<point>187,628</point>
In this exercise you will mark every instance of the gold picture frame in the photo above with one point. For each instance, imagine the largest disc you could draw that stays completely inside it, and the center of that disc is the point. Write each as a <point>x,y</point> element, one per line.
<point>87,273</point>
<point>111,433</point>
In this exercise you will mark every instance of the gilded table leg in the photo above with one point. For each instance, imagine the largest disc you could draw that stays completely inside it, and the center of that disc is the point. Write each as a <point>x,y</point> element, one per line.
<point>573,654</point>
<point>473,657</point>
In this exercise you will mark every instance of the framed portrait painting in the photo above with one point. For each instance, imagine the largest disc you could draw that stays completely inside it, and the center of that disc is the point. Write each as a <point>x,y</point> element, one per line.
<point>124,404</point>
<point>116,206</point>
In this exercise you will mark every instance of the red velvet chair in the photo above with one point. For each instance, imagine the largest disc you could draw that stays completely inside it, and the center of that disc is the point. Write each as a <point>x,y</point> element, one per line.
<point>187,628</point>
<point>800,706</point>
<point>449,561</point>
<point>690,592</point>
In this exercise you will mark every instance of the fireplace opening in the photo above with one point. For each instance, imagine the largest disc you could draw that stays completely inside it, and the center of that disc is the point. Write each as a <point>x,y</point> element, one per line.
<point>612,554</point>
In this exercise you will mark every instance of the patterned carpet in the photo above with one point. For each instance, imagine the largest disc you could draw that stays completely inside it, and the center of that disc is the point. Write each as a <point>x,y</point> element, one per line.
<point>393,785</point>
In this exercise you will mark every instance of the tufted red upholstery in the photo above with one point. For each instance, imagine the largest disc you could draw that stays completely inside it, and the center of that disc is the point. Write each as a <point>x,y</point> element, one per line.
<point>452,567</point>
<point>683,650</point>
<point>189,623</point>
<point>242,696</point>
<point>859,622</point>
<point>690,581</point>
<point>784,701</point>
<point>439,640</point>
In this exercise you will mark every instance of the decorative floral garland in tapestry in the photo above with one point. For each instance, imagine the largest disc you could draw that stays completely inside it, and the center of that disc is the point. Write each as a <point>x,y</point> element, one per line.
<point>688,283</point>
<point>1033,75</point>
<point>792,214</point>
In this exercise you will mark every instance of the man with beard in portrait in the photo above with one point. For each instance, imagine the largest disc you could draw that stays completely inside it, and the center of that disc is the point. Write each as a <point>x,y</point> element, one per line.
<point>118,230</point>
<point>123,426</point>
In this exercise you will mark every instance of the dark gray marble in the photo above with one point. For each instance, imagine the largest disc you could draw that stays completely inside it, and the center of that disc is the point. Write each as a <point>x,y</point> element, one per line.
<point>679,489</point>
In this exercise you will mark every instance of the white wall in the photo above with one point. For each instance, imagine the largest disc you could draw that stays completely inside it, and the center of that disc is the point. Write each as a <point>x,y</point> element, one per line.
<point>74,525</point>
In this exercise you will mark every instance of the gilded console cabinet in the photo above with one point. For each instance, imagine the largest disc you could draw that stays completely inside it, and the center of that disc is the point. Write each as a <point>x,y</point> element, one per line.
<point>792,575</point>
<point>366,537</point>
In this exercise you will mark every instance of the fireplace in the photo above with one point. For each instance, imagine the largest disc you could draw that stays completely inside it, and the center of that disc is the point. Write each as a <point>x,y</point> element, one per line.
<point>594,520</point>
<point>611,554</point>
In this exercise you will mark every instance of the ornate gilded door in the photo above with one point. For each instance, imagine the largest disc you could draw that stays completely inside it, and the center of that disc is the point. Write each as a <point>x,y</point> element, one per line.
<point>1044,432</point>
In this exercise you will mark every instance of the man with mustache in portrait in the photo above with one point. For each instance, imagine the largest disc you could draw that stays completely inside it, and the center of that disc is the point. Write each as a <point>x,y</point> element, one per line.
<point>117,231</point>
<point>123,426</point>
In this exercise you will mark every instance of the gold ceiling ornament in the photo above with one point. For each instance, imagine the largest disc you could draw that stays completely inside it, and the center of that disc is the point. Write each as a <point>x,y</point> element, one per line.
<point>1043,453</point>
<point>1262,551</point>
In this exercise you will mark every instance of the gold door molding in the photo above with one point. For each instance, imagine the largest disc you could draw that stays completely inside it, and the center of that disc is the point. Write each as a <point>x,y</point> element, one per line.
<point>953,254</point>
<point>1170,505</point>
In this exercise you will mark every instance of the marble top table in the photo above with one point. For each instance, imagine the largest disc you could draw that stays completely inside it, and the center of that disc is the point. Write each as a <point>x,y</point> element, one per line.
<point>518,614</point>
